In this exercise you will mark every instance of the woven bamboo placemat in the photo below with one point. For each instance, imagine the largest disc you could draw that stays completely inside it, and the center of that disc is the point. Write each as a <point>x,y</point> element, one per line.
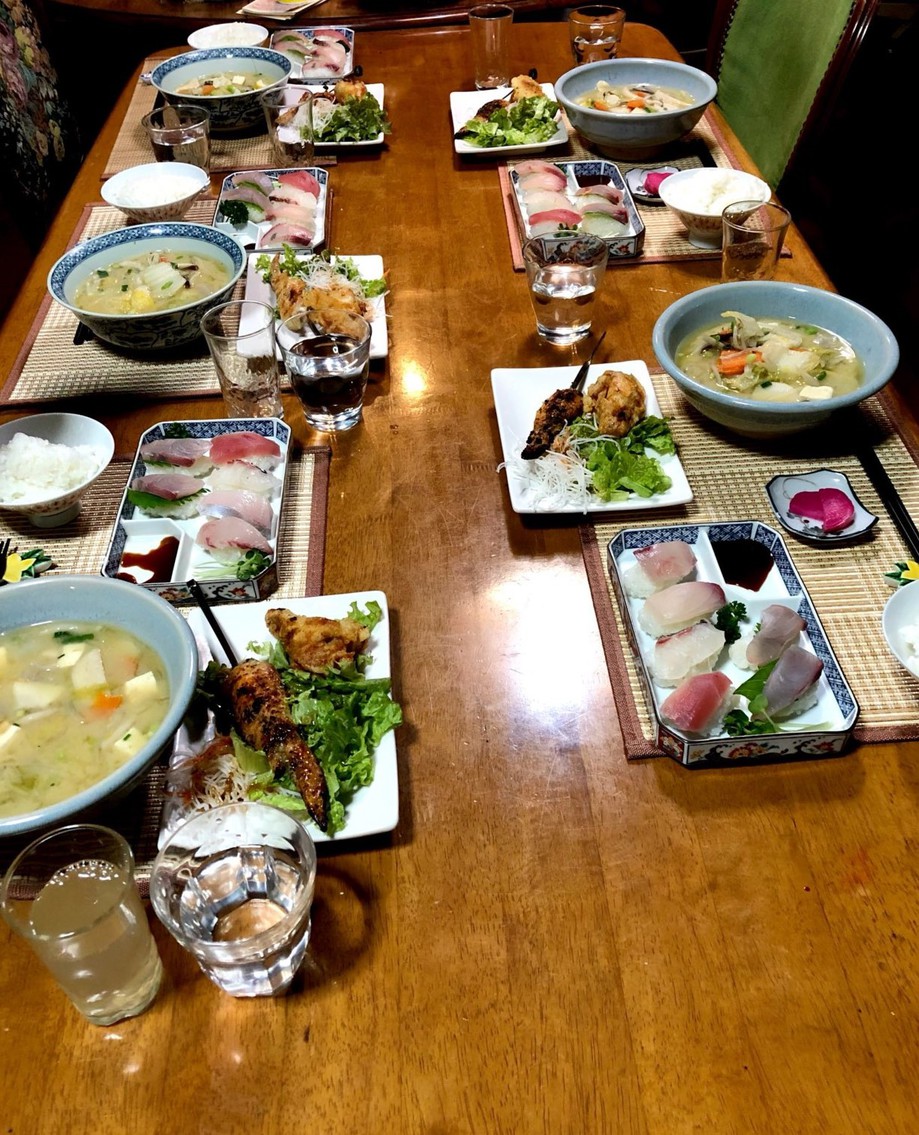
<point>728,476</point>
<point>132,146</point>
<point>665,237</point>
<point>80,547</point>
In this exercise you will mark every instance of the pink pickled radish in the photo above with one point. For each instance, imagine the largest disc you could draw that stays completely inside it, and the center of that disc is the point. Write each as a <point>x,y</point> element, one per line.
<point>831,508</point>
<point>652,182</point>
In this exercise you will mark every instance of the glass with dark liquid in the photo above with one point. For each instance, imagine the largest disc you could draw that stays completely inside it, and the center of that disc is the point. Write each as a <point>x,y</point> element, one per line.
<point>327,356</point>
<point>179,133</point>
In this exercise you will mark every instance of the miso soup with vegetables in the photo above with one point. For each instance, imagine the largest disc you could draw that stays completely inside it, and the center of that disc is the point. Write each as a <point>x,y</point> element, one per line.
<point>771,360</point>
<point>153,281</point>
<point>77,701</point>
<point>225,83</point>
<point>642,98</point>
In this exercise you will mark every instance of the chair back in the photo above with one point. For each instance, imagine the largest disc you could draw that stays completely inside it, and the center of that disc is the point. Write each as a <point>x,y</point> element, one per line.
<point>778,64</point>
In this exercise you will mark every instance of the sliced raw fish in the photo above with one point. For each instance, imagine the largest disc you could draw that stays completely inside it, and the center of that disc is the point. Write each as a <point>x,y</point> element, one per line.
<point>254,200</point>
<point>610,192</point>
<point>302,179</point>
<point>543,179</point>
<point>539,200</point>
<point>255,180</point>
<point>538,165</point>
<point>285,233</point>
<point>567,217</point>
<point>256,449</point>
<point>240,475</point>
<point>179,452</point>
<point>691,651</point>
<point>169,486</point>
<point>603,208</point>
<point>793,677</point>
<point>295,195</point>
<point>659,565</point>
<point>283,213</point>
<point>698,703</point>
<point>679,606</point>
<point>245,505</point>
<point>228,532</point>
<point>779,628</point>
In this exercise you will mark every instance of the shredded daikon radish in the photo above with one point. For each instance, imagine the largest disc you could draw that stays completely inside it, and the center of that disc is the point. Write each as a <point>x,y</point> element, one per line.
<point>553,481</point>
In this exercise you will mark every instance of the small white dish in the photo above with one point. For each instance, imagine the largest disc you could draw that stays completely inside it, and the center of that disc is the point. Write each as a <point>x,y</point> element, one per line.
<point>375,808</point>
<point>155,191</point>
<point>465,104</point>
<point>635,180</point>
<point>781,490</point>
<point>900,622</point>
<point>370,268</point>
<point>518,394</point>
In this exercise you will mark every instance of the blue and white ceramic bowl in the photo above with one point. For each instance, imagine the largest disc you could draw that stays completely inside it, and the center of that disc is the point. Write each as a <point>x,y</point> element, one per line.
<point>228,113</point>
<point>114,603</point>
<point>871,339</point>
<point>160,330</point>
<point>634,135</point>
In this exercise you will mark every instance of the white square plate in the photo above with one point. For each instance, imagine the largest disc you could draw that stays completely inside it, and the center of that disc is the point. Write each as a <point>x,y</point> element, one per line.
<point>373,809</point>
<point>370,267</point>
<point>375,89</point>
<point>465,104</point>
<point>518,394</point>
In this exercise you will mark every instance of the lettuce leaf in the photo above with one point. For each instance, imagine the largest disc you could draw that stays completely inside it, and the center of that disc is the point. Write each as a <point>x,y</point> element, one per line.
<point>355,120</point>
<point>529,120</point>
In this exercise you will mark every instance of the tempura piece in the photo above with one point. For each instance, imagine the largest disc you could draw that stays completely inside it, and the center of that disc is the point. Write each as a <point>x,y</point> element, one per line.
<point>618,401</point>
<point>316,644</point>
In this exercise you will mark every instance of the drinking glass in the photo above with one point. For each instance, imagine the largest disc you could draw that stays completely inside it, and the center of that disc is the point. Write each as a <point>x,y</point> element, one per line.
<point>595,32</point>
<point>180,133</point>
<point>71,895</point>
<point>752,237</point>
<point>289,114</point>
<point>234,886</point>
<point>490,28</point>
<point>564,273</point>
<point>240,336</point>
<point>328,360</point>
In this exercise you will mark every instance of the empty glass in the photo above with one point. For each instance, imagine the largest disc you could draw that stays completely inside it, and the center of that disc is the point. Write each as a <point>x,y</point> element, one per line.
<point>490,28</point>
<point>289,115</point>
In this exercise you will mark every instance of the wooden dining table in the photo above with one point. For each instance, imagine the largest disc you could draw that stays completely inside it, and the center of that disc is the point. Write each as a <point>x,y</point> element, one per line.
<point>554,938</point>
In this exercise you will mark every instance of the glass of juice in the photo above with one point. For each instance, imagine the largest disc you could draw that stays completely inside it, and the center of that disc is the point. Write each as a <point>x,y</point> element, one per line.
<point>71,896</point>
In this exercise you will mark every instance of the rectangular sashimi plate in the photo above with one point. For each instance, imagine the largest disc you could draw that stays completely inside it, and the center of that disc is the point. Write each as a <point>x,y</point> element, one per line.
<point>823,729</point>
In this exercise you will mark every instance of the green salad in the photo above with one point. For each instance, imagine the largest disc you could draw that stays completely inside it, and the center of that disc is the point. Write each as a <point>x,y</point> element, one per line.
<point>358,119</point>
<point>530,120</point>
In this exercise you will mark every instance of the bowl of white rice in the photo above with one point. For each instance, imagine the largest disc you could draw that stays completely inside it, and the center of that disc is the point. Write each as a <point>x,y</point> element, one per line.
<point>698,197</point>
<point>47,463</point>
<point>900,622</point>
<point>236,34</point>
<point>156,191</point>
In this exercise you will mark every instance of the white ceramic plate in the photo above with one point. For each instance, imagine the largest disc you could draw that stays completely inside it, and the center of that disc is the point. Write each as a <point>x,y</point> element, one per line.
<point>370,267</point>
<point>251,233</point>
<point>518,394</point>
<point>465,104</point>
<point>375,808</point>
<point>375,89</point>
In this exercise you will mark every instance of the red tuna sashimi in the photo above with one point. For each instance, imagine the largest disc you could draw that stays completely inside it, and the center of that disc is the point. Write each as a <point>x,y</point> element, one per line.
<point>231,532</point>
<point>698,703</point>
<point>793,675</point>
<point>610,192</point>
<point>831,508</point>
<point>567,217</point>
<point>779,628</point>
<point>286,233</point>
<point>181,452</point>
<point>302,179</point>
<point>169,486</point>
<point>679,606</point>
<point>245,446</point>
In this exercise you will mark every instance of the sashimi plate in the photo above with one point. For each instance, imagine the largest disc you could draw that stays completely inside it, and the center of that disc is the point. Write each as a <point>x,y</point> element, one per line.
<point>370,268</point>
<point>252,233</point>
<point>164,551</point>
<point>374,808</point>
<point>297,45</point>
<point>519,392</point>
<point>465,104</point>
<point>823,730</point>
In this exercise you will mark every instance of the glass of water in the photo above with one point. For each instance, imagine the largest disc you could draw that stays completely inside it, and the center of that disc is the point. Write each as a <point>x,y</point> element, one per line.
<point>564,273</point>
<point>595,32</point>
<point>71,896</point>
<point>327,357</point>
<point>234,886</point>
<point>240,336</point>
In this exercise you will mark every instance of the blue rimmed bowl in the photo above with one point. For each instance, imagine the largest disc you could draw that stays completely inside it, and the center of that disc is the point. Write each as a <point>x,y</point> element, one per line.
<point>110,602</point>
<point>228,113</point>
<point>159,330</point>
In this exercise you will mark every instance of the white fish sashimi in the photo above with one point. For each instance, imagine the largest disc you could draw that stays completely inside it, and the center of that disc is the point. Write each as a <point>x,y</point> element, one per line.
<point>657,566</point>
<point>190,454</point>
<point>791,687</point>
<point>779,628</point>
<point>679,606</point>
<point>246,506</point>
<point>231,535</point>
<point>238,475</point>
<point>694,650</point>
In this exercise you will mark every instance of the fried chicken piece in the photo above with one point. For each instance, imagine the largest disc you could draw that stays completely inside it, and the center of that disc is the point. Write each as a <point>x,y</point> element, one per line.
<point>618,400</point>
<point>295,294</point>
<point>525,87</point>
<point>256,693</point>
<point>552,416</point>
<point>316,644</point>
<point>350,89</point>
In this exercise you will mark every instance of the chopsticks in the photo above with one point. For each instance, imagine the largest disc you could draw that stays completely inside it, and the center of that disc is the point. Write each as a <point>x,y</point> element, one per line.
<point>205,604</point>
<point>890,498</point>
<point>579,378</point>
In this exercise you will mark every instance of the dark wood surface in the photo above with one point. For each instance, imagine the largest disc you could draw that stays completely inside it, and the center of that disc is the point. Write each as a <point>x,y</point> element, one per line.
<point>554,939</point>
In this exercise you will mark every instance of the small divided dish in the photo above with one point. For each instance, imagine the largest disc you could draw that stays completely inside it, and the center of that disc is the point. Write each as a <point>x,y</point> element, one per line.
<point>264,235</point>
<point>823,730</point>
<point>583,175</point>
<point>316,53</point>
<point>161,553</point>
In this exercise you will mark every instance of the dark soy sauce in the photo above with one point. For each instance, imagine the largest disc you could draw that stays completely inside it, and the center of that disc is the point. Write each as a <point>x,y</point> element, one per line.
<point>745,563</point>
<point>160,560</point>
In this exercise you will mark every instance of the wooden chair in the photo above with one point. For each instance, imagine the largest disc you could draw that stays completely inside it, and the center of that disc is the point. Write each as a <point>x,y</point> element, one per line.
<point>779,65</point>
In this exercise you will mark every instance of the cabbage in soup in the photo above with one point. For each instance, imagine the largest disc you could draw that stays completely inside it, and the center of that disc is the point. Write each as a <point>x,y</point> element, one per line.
<point>770,360</point>
<point>153,281</point>
<point>225,83</point>
<point>642,98</point>
<point>77,701</point>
